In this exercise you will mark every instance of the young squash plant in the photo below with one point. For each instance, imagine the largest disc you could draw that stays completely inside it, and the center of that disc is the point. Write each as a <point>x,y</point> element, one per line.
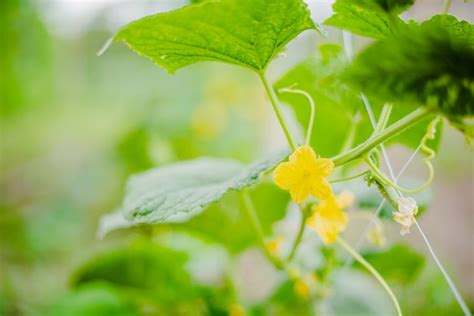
<point>399,89</point>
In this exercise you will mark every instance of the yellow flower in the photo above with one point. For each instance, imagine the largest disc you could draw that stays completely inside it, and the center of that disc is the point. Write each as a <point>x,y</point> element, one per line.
<point>302,289</point>
<point>328,218</point>
<point>304,174</point>
<point>407,209</point>
<point>236,310</point>
<point>274,245</point>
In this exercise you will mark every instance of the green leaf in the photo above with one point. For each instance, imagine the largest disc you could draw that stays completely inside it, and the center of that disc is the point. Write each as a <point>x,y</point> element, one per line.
<point>180,191</point>
<point>223,222</point>
<point>462,29</point>
<point>429,65</point>
<point>147,276</point>
<point>371,18</point>
<point>398,263</point>
<point>248,33</point>
<point>143,269</point>
<point>92,300</point>
<point>284,301</point>
<point>337,105</point>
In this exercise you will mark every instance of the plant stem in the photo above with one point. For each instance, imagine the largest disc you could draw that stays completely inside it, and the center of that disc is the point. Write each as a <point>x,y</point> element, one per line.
<point>383,120</point>
<point>446,6</point>
<point>372,270</point>
<point>257,227</point>
<point>384,190</point>
<point>298,237</point>
<point>276,108</point>
<point>376,140</point>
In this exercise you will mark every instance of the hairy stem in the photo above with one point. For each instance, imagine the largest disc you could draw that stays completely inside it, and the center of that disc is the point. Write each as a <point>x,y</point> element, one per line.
<point>372,270</point>
<point>276,108</point>
<point>394,129</point>
<point>257,227</point>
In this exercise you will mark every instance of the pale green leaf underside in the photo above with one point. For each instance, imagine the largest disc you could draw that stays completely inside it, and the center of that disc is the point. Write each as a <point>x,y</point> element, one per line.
<point>248,33</point>
<point>180,191</point>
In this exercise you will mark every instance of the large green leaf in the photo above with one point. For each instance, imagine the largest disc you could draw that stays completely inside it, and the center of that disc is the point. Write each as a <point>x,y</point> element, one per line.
<point>248,33</point>
<point>223,222</point>
<point>149,276</point>
<point>371,18</point>
<point>398,263</point>
<point>179,191</point>
<point>337,104</point>
<point>142,267</point>
<point>430,64</point>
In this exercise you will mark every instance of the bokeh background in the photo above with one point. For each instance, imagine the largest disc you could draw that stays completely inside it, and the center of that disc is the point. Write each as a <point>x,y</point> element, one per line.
<point>74,126</point>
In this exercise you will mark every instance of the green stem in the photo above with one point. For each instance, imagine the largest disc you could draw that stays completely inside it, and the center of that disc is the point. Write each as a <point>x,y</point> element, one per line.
<point>257,227</point>
<point>276,108</point>
<point>383,120</point>
<point>384,190</point>
<point>298,237</point>
<point>446,6</point>
<point>378,139</point>
<point>372,270</point>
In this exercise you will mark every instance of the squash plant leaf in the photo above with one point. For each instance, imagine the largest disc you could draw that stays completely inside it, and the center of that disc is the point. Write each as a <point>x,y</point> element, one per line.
<point>143,268</point>
<point>177,192</point>
<point>222,222</point>
<point>371,18</point>
<point>429,64</point>
<point>248,33</point>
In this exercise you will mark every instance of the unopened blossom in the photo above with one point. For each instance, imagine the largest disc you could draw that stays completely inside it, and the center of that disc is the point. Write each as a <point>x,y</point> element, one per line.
<point>304,175</point>
<point>407,209</point>
<point>328,218</point>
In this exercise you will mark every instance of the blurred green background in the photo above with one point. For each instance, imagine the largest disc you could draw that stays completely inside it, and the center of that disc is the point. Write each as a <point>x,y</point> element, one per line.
<point>74,126</point>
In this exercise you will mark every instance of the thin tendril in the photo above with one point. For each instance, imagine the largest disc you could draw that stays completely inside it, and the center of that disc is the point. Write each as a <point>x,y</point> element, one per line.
<point>430,154</point>
<point>372,270</point>
<point>350,178</point>
<point>309,130</point>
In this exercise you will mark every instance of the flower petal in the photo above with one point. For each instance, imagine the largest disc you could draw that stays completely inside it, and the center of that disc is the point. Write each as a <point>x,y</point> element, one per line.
<point>300,192</point>
<point>321,188</point>
<point>303,156</point>
<point>285,175</point>
<point>324,167</point>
